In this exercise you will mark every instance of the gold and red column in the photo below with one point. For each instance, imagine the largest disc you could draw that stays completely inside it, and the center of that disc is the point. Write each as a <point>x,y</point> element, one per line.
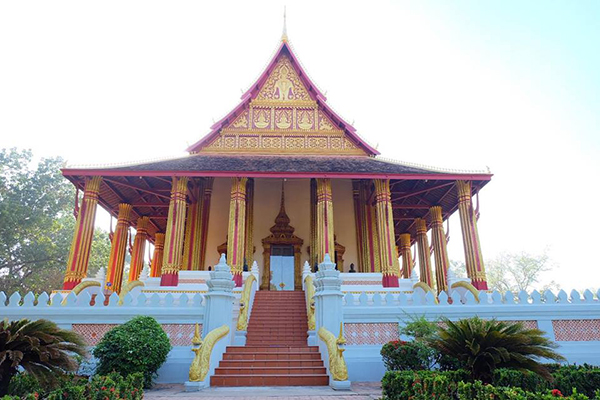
<point>116,261</point>
<point>366,228</point>
<point>385,228</point>
<point>249,251</point>
<point>468,223</point>
<point>157,257</point>
<point>139,247</point>
<point>440,251</point>
<point>208,184</point>
<point>407,261</point>
<point>324,220</point>
<point>193,231</point>
<point>424,253</point>
<point>82,238</point>
<point>236,234</point>
<point>173,252</point>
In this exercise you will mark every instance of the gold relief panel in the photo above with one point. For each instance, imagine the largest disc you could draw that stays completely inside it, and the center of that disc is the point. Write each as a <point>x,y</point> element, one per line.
<point>261,118</point>
<point>294,142</point>
<point>248,142</point>
<point>283,84</point>
<point>305,119</point>
<point>283,118</point>
<point>229,141</point>
<point>271,142</point>
<point>325,123</point>
<point>349,144</point>
<point>317,142</point>
<point>241,121</point>
<point>335,142</point>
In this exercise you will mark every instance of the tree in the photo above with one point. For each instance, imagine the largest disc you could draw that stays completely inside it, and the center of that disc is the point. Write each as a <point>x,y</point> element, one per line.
<point>519,271</point>
<point>484,345</point>
<point>37,224</point>
<point>39,347</point>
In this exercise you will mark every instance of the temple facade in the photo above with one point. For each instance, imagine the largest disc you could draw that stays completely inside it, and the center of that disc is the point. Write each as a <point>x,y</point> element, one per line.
<point>280,181</point>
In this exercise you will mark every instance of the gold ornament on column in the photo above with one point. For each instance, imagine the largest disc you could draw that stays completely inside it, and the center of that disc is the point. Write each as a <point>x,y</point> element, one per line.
<point>424,253</point>
<point>386,233</point>
<point>157,257</point>
<point>472,246</point>
<point>118,248</point>
<point>324,220</point>
<point>173,253</point>
<point>407,261</point>
<point>237,226</point>
<point>440,251</point>
<point>139,247</point>
<point>82,238</point>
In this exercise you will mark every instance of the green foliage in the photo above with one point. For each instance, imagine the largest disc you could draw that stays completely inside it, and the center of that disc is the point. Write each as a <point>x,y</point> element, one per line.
<point>399,355</point>
<point>139,345</point>
<point>419,327</point>
<point>421,385</point>
<point>37,224</point>
<point>482,346</point>
<point>112,387</point>
<point>22,384</point>
<point>39,347</point>
<point>519,271</point>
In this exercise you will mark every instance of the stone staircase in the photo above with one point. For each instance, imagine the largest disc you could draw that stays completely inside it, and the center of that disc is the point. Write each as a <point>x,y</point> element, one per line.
<point>276,353</point>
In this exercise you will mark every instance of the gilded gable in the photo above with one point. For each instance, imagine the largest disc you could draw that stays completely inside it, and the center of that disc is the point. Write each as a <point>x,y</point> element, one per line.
<point>283,118</point>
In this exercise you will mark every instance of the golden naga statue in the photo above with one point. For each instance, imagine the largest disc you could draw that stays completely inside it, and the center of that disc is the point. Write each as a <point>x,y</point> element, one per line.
<point>201,364</point>
<point>309,287</point>
<point>242,322</point>
<point>337,364</point>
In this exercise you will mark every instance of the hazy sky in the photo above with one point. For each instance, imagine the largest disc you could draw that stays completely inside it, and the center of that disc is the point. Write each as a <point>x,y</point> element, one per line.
<point>512,85</point>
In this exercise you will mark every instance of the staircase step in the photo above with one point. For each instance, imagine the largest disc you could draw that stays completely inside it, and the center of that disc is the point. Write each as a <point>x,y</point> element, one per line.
<point>270,380</point>
<point>270,363</point>
<point>272,349</point>
<point>268,356</point>
<point>270,370</point>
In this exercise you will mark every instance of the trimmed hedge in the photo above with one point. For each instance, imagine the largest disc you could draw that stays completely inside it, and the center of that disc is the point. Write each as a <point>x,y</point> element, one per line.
<point>575,382</point>
<point>100,387</point>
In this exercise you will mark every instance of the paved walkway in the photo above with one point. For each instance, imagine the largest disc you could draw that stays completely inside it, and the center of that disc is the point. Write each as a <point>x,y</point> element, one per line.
<point>359,391</point>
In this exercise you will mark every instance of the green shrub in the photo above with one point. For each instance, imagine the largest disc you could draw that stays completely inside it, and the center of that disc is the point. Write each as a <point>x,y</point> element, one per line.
<point>585,379</point>
<point>484,345</point>
<point>421,385</point>
<point>23,384</point>
<point>399,355</point>
<point>39,347</point>
<point>525,380</point>
<point>139,345</point>
<point>419,327</point>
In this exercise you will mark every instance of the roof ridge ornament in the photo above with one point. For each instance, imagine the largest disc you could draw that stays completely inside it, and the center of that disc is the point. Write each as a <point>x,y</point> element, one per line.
<point>284,37</point>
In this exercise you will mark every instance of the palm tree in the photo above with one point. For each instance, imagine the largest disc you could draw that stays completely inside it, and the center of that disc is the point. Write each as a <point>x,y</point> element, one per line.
<point>40,347</point>
<point>484,345</point>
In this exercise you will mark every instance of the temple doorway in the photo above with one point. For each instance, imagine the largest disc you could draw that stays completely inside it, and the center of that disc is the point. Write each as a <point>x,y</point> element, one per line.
<point>282,267</point>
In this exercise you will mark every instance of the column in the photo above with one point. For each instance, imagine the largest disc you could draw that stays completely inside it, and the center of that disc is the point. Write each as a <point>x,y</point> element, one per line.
<point>407,261</point>
<point>173,252</point>
<point>82,238</point>
<point>366,228</point>
<point>440,252</point>
<point>324,220</point>
<point>237,227</point>
<point>193,228</point>
<point>468,223</point>
<point>208,184</point>
<point>157,257</point>
<point>118,247</point>
<point>249,251</point>
<point>312,260</point>
<point>385,228</point>
<point>139,247</point>
<point>424,253</point>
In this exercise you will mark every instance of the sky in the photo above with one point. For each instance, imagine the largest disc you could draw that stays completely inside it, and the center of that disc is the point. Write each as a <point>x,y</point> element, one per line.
<point>509,85</point>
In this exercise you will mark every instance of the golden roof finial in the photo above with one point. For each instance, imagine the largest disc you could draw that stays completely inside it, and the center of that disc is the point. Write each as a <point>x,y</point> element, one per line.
<point>284,37</point>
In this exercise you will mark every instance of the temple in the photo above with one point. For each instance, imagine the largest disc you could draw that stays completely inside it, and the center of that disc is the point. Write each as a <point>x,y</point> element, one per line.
<point>280,181</point>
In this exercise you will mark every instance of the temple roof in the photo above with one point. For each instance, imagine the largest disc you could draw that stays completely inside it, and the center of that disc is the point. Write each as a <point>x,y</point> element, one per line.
<point>205,165</point>
<point>283,112</point>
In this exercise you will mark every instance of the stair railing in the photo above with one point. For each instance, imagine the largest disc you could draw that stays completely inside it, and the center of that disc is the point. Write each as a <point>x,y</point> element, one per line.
<point>309,290</point>
<point>250,287</point>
